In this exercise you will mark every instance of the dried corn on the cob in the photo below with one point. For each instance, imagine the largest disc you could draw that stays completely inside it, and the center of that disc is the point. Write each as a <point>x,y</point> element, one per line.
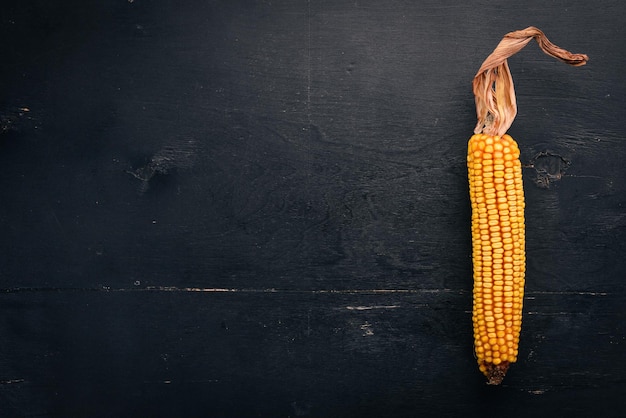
<point>497,200</point>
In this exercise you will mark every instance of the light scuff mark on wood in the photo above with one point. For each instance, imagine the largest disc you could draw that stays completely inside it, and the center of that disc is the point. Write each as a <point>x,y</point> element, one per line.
<point>551,313</point>
<point>181,154</point>
<point>367,329</point>
<point>13,119</point>
<point>369,308</point>
<point>203,289</point>
<point>12,381</point>
<point>532,295</point>
<point>136,288</point>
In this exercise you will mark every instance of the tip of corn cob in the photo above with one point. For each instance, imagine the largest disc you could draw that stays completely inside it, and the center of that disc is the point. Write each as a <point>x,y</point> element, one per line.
<point>495,372</point>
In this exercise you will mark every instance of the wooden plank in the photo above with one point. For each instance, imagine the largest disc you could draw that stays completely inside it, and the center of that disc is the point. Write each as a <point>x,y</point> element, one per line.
<point>277,353</point>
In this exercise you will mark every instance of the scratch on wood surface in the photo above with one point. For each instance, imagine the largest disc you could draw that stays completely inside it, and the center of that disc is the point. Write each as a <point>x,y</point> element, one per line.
<point>369,308</point>
<point>549,313</point>
<point>305,291</point>
<point>170,381</point>
<point>12,381</point>
<point>567,293</point>
<point>104,288</point>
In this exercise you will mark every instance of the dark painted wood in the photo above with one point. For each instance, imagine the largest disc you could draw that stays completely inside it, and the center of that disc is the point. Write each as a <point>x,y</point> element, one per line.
<point>237,208</point>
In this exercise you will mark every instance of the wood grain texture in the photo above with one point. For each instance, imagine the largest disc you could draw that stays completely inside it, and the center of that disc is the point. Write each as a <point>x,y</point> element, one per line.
<point>261,209</point>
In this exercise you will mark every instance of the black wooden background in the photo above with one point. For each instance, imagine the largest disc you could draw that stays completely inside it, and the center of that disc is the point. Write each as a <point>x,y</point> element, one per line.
<point>260,208</point>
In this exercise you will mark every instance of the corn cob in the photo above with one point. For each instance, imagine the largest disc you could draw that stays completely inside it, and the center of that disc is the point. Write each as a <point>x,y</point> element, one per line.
<point>497,196</point>
<point>497,200</point>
